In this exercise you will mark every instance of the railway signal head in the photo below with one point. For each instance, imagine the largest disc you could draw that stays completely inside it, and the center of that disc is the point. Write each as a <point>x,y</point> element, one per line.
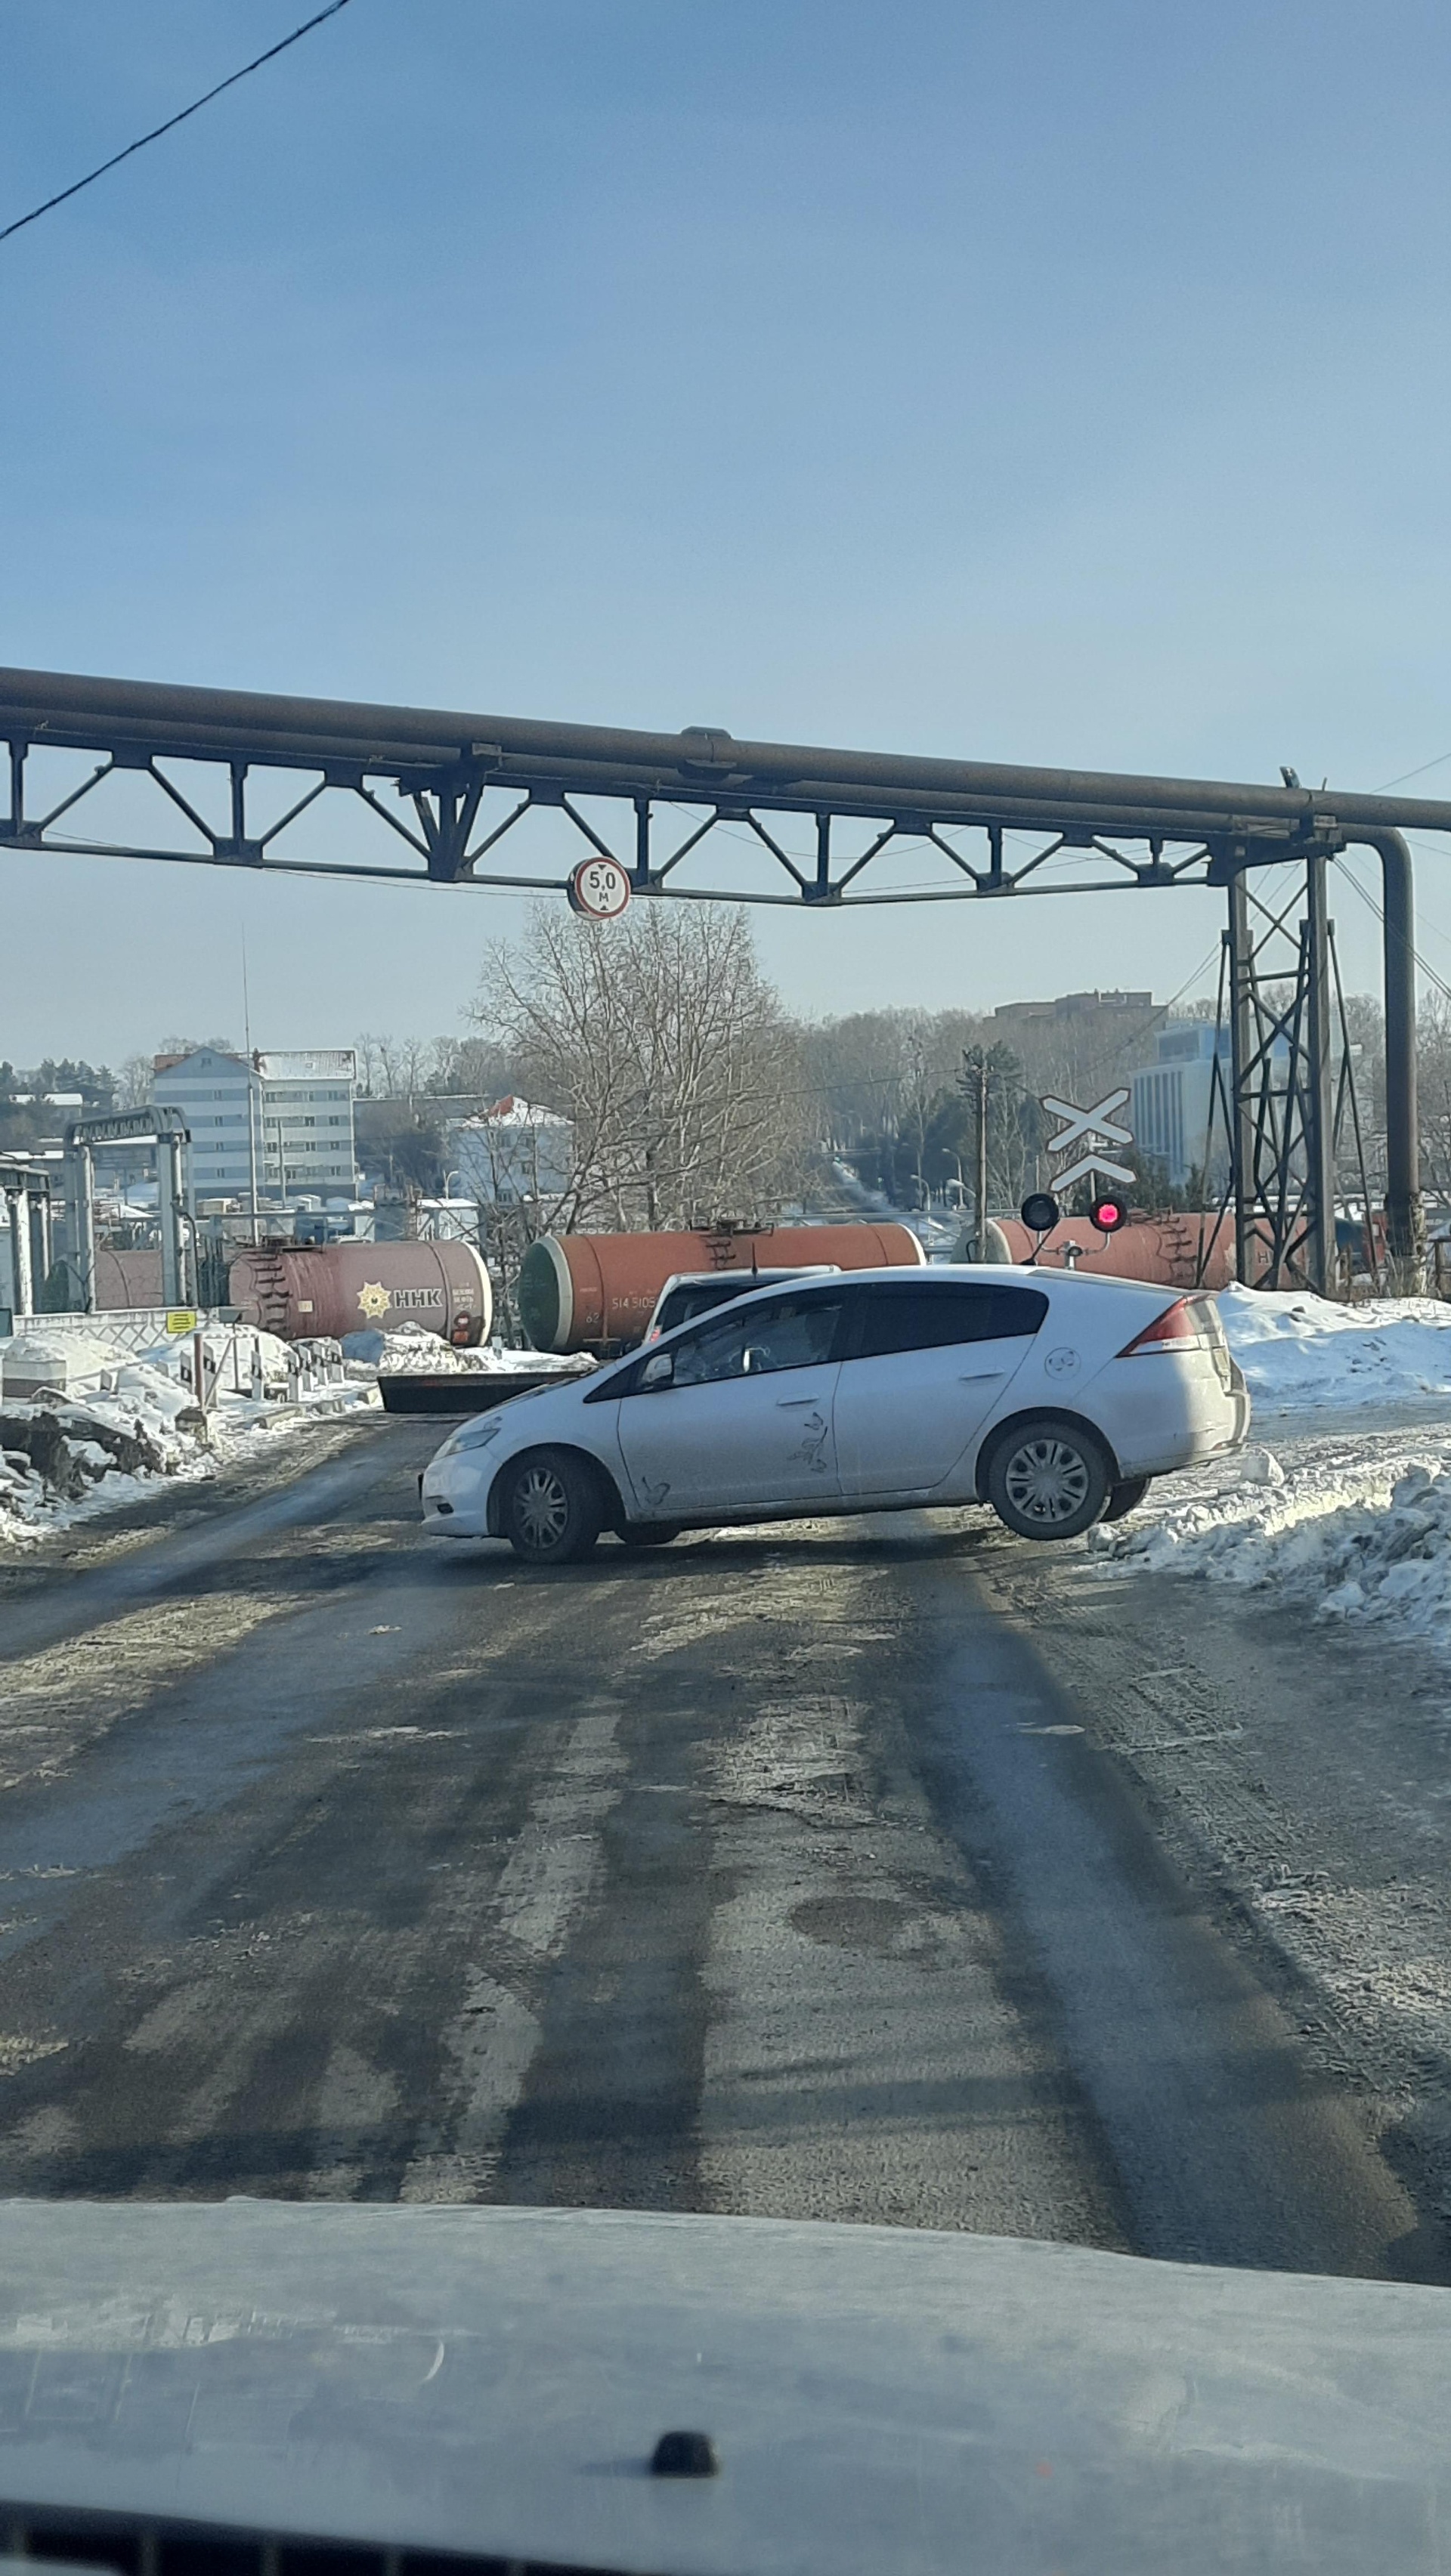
<point>1109,1211</point>
<point>1039,1212</point>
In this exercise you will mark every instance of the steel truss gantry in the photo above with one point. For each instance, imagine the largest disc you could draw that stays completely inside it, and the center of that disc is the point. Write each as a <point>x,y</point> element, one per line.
<point>463,785</point>
<point>1284,1124</point>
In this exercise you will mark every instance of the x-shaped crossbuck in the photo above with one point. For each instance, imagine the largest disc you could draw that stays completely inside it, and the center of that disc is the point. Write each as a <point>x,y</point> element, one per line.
<point>1082,1126</point>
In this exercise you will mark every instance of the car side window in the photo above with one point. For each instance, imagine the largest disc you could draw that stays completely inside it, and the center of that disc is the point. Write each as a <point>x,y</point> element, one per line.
<point>790,1333</point>
<point>929,1315</point>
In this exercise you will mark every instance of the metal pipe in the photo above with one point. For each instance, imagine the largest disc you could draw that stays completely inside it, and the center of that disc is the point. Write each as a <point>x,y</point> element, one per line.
<point>169,1210</point>
<point>68,710</point>
<point>1405,1223</point>
<point>1318,1111</point>
<point>17,1202</point>
<point>43,1229</point>
<point>1242,1055</point>
<point>81,1214</point>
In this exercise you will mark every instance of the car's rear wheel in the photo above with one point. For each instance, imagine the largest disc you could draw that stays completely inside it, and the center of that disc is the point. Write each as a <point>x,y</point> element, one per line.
<point>552,1508</point>
<point>649,1534</point>
<point>1126,1498</point>
<point>1049,1479</point>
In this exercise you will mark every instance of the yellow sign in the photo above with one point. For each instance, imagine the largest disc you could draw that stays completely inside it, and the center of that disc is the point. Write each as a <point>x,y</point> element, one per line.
<point>183,1319</point>
<point>374,1300</point>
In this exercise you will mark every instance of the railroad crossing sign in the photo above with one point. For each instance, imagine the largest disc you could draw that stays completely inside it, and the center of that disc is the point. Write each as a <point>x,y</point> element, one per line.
<point>1083,1126</point>
<point>600,889</point>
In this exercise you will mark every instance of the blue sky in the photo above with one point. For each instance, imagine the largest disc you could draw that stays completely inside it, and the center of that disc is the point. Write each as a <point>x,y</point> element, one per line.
<point>1057,380</point>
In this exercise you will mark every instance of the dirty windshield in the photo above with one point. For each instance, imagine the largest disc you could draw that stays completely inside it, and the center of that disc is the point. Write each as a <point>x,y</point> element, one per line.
<point>777,659</point>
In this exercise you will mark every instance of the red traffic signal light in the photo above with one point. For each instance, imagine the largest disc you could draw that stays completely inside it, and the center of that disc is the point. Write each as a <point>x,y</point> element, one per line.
<point>1109,1212</point>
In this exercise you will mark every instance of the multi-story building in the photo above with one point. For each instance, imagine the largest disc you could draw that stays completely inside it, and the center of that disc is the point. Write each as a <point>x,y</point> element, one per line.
<point>288,1115</point>
<point>515,1155</point>
<point>216,1093</point>
<point>307,1122</point>
<point>1171,1100</point>
<point>1074,1006</point>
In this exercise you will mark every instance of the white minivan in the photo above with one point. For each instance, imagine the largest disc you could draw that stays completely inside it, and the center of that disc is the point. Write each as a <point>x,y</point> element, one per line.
<point>1051,1396</point>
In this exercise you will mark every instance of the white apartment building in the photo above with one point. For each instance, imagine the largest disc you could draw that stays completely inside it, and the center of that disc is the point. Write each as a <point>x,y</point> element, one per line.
<point>1171,1098</point>
<point>515,1155</point>
<point>214,1092</point>
<point>307,1122</point>
<point>292,1110</point>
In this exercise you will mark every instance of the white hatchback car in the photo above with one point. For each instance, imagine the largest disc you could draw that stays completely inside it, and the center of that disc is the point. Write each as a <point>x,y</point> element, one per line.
<point>1051,1396</point>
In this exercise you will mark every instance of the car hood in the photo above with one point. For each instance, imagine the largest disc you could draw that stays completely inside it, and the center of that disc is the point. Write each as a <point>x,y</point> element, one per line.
<point>494,2380</point>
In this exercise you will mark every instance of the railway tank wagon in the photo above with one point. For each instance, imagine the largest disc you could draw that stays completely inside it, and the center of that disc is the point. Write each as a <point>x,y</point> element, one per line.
<point>580,1292</point>
<point>298,1291</point>
<point>1179,1250</point>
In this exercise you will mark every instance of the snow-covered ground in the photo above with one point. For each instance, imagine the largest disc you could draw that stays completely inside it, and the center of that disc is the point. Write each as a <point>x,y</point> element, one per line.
<point>99,1444</point>
<point>134,1421</point>
<point>1342,1502</point>
<point>1301,1353</point>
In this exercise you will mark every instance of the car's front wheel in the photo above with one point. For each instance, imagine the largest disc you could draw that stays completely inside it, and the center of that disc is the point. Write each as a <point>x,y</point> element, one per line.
<point>1126,1498</point>
<point>552,1508</point>
<point>1049,1479</point>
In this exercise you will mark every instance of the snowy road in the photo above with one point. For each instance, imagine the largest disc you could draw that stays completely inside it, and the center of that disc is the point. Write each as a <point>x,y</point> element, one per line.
<point>820,1872</point>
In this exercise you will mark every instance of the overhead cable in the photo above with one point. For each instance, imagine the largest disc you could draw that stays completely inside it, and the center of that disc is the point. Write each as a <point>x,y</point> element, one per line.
<point>180,118</point>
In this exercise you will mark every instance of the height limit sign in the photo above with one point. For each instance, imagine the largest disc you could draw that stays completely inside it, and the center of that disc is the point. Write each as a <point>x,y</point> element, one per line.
<point>599,889</point>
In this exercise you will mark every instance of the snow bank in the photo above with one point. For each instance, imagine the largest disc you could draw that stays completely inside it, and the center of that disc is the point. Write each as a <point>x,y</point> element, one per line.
<point>410,1350</point>
<point>1302,1353</point>
<point>1358,1534</point>
<point>1353,1523</point>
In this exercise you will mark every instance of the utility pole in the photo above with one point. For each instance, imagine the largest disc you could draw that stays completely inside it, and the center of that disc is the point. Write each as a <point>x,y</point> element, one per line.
<point>982,1090</point>
<point>254,1087</point>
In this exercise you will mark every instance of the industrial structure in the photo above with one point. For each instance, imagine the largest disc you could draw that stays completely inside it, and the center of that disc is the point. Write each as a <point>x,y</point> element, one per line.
<point>25,1189</point>
<point>166,1130</point>
<point>464,785</point>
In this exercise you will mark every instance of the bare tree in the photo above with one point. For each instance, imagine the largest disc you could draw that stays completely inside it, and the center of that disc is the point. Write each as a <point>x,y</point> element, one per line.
<point>367,1051</point>
<point>878,1073</point>
<point>1433,1091</point>
<point>135,1083</point>
<point>660,1040</point>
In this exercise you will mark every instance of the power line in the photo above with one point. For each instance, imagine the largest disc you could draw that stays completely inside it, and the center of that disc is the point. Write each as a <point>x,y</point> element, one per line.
<point>180,118</point>
<point>1369,900</point>
<point>1412,773</point>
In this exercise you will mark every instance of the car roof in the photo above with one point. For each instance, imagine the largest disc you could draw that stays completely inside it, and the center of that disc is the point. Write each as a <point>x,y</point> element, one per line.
<point>998,1274</point>
<point>767,1273</point>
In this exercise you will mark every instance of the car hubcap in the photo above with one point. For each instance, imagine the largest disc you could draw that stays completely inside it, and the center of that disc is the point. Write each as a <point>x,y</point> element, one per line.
<point>1046,1480</point>
<point>541,1508</point>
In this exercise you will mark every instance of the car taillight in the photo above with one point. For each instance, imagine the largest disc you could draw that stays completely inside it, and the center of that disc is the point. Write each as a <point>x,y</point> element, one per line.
<point>1179,1328</point>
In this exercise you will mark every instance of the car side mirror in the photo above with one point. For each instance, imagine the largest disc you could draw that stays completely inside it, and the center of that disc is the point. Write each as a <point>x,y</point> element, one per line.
<point>658,1370</point>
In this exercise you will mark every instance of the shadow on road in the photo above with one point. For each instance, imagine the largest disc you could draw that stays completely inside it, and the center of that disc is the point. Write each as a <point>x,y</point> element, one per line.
<point>491,1562</point>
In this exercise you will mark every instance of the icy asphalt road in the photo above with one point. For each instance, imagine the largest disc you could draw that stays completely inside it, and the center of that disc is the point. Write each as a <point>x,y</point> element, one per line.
<point>800,1874</point>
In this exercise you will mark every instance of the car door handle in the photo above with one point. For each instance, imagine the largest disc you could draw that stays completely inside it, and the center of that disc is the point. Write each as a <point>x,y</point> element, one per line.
<point>976,1377</point>
<point>795,1403</point>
